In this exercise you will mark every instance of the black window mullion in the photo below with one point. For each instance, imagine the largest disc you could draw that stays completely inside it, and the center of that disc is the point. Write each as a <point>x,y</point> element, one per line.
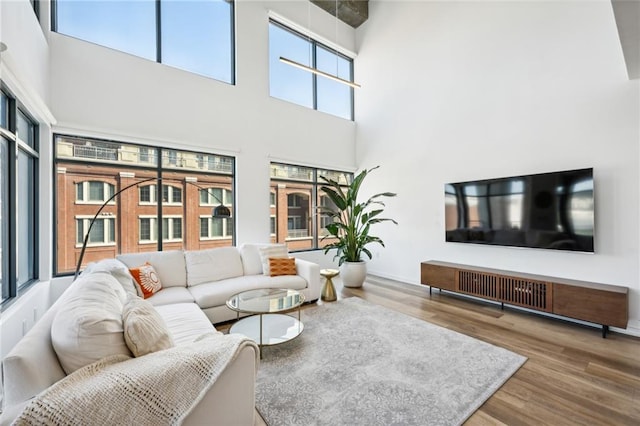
<point>159,198</point>
<point>314,76</point>
<point>233,50</point>
<point>13,215</point>
<point>158,32</point>
<point>13,203</point>
<point>54,15</point>
<point>36,207</point>
<point>314,209</point>
<point>352,90</point>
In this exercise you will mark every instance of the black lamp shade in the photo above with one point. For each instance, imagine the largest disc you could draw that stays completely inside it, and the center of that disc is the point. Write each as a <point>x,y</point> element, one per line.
<point>221,212</point>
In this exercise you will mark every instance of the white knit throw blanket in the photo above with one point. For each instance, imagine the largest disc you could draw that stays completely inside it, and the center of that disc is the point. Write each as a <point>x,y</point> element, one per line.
<point>160,388</point>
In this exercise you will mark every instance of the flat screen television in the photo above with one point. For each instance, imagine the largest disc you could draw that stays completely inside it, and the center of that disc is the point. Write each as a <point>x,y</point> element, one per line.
<point>547,210</point>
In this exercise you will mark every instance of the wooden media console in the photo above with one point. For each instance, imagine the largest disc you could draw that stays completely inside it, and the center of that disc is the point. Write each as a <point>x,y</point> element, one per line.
<point>607,305</point>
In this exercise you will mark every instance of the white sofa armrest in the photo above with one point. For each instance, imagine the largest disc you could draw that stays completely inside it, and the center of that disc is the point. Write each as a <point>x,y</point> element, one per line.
<point>311,273</point>
<point>231,399</point>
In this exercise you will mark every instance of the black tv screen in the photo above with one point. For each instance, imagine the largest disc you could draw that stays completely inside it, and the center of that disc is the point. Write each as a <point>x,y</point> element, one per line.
<point>546,210</point>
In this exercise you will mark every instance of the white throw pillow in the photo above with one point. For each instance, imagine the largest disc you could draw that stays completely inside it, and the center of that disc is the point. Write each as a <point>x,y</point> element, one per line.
<point>274,250</point>
<point>251,261</point>
<point>119,270</point>
<point>144,329</point>
<point>89,326</point>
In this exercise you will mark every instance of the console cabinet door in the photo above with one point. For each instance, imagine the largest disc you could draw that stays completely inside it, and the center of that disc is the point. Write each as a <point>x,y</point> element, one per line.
<point>438,276</point>
<point>588,304</point>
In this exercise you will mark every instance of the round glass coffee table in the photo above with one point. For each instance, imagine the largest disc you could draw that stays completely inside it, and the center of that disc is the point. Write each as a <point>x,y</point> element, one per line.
<point>267,323</point>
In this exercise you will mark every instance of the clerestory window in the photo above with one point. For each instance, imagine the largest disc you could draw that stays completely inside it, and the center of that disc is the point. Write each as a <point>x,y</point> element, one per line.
<point>196,36</point>
<point>302,87</point>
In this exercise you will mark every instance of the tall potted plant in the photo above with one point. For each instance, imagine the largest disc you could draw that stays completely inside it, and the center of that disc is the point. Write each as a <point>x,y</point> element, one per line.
<point>350,226</point>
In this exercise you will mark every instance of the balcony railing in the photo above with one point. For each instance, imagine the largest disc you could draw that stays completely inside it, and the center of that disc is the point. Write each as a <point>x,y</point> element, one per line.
<point>95,152</point>
<point>297,233</point>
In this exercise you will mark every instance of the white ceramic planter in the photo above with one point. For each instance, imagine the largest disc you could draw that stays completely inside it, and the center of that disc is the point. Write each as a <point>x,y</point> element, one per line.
<point>353,274</point>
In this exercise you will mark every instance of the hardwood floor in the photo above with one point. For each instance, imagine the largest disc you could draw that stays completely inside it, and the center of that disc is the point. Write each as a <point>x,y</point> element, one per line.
<point>572,375</point>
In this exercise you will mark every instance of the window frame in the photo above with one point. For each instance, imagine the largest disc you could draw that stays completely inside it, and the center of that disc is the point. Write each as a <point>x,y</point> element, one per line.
<point>313,63</point>
<point>158,38</point>
<point>225,196</point>
<point>108,190</point>
<point>313,180</point>
<point>35,5</point>
<point>65,156</point>
<point>14,285</point>
<point>107,230</point>
<point>225,229</point>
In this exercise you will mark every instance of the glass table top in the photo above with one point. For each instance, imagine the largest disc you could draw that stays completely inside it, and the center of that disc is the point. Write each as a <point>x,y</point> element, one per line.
<point>265,301</point>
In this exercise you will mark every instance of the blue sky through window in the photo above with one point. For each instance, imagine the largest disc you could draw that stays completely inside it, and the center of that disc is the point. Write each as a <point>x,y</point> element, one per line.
<point>128,26</point>
<point>296,85</point>
<point>286,82</point>
<point>333,97</point>
<point>196,35</point>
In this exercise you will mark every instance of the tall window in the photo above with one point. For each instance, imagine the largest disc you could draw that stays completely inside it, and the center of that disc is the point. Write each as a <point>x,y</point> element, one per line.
<point>302,87</point>
<point>196,36</point>
<point>102,232</point>
<point>146,216</point>
<point>171,229</point>
<point>295,197</point>
<point>170,194</point>
<point>216,196</point>
<point>215,228</point>
<point>18,197</point>
<point>94,192</point>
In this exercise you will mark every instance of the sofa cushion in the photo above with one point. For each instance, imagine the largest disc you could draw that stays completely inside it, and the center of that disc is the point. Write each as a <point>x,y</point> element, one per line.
<point>147,279</point>
<point>212,265</point>
<point>168,264</point>
<point>267,252</point>
<point>217,293</point>
<point>282,266</point>
<point>170,295</point>
<point>89,326</point>
<point>144,329</point>
<point>185,321</point>
<point>119,270</point>
<point>251,261</point>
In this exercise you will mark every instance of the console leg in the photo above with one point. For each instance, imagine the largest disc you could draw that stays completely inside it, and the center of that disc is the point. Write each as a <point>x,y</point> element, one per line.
<point>502,305</point>
<point>430,290</point>
<point>605,329</point>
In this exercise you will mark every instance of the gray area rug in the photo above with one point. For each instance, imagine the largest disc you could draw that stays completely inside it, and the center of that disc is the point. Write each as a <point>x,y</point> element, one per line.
<point>361,364</point>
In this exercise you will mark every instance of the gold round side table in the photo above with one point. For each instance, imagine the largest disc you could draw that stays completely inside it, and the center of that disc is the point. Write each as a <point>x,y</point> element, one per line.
<point>328,291</point>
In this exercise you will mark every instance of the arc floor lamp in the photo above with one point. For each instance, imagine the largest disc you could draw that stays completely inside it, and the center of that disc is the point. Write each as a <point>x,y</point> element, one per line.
<point>219,212</point>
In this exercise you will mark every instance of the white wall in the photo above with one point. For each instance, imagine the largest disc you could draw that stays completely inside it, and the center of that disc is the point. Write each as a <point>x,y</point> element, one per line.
<point>491,89</point>
<point>99,91</point>
<point>24,69</point>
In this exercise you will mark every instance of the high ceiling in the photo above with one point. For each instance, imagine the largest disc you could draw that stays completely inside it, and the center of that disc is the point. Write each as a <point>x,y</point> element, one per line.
<point>351,12</point>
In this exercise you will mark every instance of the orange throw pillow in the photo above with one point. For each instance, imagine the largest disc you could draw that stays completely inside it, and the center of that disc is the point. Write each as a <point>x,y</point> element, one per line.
<point>282,266</point>
<point>147,278</point>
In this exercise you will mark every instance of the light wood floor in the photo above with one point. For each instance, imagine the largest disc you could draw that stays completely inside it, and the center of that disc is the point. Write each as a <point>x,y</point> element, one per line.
<point>572,376</point>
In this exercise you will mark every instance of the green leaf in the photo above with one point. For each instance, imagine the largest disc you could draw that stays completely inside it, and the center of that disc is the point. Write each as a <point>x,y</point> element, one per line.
<point>348,234</point>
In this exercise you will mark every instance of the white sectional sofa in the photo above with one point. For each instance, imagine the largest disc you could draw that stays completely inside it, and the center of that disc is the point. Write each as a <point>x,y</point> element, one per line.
<point>196,286</point>
<point>210,277</point>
